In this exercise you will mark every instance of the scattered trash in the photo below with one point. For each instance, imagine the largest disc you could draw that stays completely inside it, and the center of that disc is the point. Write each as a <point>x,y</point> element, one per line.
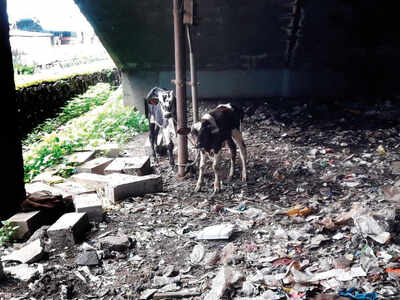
<point>216,232</point>
<point>318,214</point>
<point>354,294</point>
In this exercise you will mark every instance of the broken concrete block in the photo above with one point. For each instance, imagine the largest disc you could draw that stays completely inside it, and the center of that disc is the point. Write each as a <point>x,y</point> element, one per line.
<point>48,178</point>
<point>22,272</point>
<point>116,243</point>
<point>90,204</point>
<point>39,186</point>
<point>90,180</point>
<point>30,253</point>
<point>122,186</point>
<point>130,165</point>
<point>68,230</point>
<point>79,158</point>
<point>74,188</point>
<point>110,150</point>
<point>88,258</point>
<point>27,223</point>
<point>395,167</point>
<point>95,166</point>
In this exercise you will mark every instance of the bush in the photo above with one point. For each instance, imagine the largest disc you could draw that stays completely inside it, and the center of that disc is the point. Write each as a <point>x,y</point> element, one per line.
<point>110,122</point>
<point>24,69</point>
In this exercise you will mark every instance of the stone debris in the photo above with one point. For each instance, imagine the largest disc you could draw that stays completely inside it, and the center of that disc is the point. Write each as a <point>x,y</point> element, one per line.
<point>68,229</point>
<point>88,258</point>
<point>22,272</point>
<point>116,243</point>
<point>216,232</point>
<point>27,223</point>
<point>319,218</point>
<point>79,158</point>
<point>90,204</point>
<point>95,166</point>
<point>130,165</point>
<point>122,186</point>
<point>30,253</point>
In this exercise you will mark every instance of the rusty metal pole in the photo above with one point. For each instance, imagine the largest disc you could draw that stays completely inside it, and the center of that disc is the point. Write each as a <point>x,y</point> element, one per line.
<point>180,83</point>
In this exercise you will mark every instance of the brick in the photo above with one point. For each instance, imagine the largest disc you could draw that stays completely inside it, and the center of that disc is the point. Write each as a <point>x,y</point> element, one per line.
<point>90,180</point>
<point>68,230</point>
<point>80,157</point>
<point>130,165</point>
<point>90,204</point>
<point>28,222</point>
<point>122,186</point>
<point>95,166</point>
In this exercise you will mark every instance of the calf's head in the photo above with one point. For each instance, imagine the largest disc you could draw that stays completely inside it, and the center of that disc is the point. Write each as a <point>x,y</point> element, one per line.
<point>201,133</point>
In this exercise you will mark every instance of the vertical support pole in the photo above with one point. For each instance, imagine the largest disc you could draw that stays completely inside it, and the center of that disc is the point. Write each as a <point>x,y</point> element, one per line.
<point>180,82</point>
<point>193,78</point>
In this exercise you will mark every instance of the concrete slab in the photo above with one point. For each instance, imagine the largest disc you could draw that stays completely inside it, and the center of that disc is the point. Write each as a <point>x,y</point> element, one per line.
<point>68,230</point>
<point>74,188</point>
<point>22,272</point>
<point>122,186</point>
<point>90,180</point>
<point>79,158</point>
<point>90,204</point>
<point>30,253</point>
<point>39,186</point>
<point>27,223</point>
<point>110,150</point>
<point>130,165</point>
<point>95,166</point>
<point>48,178</point>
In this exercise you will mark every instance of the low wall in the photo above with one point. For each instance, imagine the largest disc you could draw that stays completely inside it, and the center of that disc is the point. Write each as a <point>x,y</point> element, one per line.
<point>39,101</point>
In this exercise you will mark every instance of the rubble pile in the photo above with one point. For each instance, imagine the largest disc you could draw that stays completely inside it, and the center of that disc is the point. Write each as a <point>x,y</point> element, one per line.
<point>319,218</point>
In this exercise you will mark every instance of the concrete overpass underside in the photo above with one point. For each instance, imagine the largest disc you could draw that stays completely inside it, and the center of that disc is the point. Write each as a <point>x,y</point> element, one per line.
<point>256,48</point>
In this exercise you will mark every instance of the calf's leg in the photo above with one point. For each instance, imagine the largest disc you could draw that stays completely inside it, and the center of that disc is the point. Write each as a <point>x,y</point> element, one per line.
<point>216,166</point>
<point>232,148</point>
<point>154,129</point>
<point>238,139</point>
<point>201,171</point>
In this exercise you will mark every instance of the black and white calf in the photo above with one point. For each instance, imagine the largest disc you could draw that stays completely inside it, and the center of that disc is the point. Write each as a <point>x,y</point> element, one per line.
<point>161,112</point>
<point>217,127</point>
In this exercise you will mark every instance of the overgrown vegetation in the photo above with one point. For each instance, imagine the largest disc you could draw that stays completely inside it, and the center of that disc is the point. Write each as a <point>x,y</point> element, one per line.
<point>7,232</point>
<point>24,69</point>
<point>80,125</point>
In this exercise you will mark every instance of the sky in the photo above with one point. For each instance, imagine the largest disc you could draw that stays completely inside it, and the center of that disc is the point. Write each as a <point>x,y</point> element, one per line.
<point>52,14</point>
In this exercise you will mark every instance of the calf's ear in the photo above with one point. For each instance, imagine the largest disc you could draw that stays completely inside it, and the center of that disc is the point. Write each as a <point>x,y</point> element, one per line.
<point>183,131</point>
<point>153,101</point>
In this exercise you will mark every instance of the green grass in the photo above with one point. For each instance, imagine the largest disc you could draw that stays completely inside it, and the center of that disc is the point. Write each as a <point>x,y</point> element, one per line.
<point>84,122</point>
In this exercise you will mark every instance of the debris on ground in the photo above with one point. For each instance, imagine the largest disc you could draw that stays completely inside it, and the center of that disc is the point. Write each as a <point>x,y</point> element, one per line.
<point>318,219</point>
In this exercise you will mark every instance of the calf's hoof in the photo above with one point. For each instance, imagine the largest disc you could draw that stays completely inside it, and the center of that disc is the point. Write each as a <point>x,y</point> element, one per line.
<point>197,188</point>
<point>244,178</point>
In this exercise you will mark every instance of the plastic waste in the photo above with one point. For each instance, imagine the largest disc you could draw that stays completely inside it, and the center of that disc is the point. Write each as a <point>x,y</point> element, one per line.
<point>354,294</point>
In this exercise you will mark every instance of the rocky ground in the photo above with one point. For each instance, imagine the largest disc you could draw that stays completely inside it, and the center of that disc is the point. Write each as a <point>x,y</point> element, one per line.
<point>320,213</point>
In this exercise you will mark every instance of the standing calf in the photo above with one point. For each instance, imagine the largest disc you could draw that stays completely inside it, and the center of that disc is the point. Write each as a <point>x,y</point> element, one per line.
<point>217,127</point>
<point>162,116</point>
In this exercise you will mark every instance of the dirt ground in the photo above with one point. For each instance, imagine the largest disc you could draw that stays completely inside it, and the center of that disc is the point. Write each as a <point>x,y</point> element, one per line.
<point>327,159</point>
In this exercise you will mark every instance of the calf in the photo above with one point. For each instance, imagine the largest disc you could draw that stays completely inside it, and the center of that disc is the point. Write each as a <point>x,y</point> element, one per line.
<point>161,112</point>
<point>217,127</point>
